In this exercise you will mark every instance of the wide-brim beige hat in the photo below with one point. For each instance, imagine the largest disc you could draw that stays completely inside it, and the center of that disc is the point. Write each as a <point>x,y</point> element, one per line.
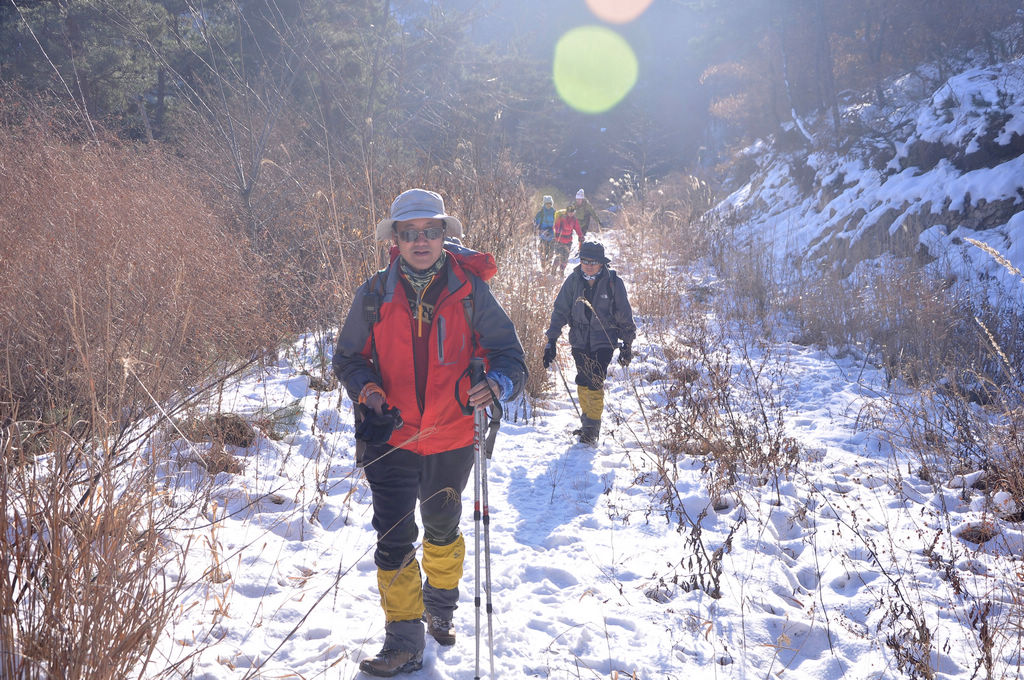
<point>416,203</point>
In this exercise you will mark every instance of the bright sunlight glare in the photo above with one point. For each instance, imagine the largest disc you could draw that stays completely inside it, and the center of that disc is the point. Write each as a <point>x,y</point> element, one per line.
<point>618,11</point>
<point>594,68</point>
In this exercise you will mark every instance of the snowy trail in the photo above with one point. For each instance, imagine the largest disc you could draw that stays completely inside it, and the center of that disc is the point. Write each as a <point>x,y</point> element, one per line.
<point>572,583</point>
<point>592,553</point>
<point>545,516</point>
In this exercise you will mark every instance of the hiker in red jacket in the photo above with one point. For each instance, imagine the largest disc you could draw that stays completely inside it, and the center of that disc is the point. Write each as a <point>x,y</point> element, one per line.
<point>565,224</point>
<point>407,340</point>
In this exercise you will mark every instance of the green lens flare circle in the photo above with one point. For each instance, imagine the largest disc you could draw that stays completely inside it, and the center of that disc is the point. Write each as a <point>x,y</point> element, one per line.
<point>594,68</point>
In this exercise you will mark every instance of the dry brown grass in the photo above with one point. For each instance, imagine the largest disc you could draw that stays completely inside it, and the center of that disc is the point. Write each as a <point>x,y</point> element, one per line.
<point>112,270</point>
<point>80,594</point>
<point>956,348</point>
<point>304,217</point>
<point>118,289</point>
<point>527,296</point>
<point>656,255</point>
<point>500,221</point>
<point>920,328</point>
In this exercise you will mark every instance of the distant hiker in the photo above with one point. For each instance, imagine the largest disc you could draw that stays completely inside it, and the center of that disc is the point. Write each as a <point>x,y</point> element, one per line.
<point>594,303</point>
<point>565,224</point>
<point>544,220</point>
<point>585,212</point>
<point>407,340</point>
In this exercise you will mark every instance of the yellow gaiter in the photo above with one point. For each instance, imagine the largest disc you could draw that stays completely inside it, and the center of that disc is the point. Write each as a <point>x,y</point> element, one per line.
<point>443,563</point>
<point>401,592</point>
<point>591,402</point>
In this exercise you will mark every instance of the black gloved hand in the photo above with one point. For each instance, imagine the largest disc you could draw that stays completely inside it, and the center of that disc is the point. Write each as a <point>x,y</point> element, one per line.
<point>377,429</point>
<point>625,354</point>
<point>549,353</point>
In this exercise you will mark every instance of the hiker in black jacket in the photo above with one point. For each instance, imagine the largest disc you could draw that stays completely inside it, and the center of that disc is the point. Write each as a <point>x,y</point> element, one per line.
<point>593,302</point>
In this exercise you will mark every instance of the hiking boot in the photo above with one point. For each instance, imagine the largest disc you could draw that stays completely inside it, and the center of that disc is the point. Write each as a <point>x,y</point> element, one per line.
<point>441,629</point>
<point>590,432</point>
<point>391,662</point>
<point>583,438</point>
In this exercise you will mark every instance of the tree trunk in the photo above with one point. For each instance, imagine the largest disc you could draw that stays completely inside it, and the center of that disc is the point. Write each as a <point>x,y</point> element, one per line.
<point>141,100</point>
<point>786,81</point>
<point>161,93</point>
<point>826,73</point>
<point>874,44</point>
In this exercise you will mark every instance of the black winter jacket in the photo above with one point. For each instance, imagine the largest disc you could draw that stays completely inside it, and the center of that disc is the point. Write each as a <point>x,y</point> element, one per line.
<point>609,320</point>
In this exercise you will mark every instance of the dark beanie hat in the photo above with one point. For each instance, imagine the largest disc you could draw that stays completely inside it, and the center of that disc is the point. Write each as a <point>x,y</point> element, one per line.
<point>592,250</point>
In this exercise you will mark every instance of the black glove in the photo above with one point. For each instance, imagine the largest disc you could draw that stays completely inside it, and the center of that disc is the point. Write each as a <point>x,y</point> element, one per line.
<point>625,354</point>
<point>549,353</point>
<point>377,429</point>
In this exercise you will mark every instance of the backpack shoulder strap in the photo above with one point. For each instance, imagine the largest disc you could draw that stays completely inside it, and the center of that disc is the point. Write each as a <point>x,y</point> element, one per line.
<point>371,309</point>
<point>467,307</point>
<point>612,276</point>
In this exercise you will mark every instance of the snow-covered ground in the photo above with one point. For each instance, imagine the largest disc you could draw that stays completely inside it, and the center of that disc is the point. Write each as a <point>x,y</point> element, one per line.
<point>979,109</point>
<point>822,575</point>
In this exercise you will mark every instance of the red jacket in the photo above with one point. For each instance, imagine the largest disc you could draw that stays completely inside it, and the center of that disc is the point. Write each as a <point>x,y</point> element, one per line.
<point>565,225</point>
<point>437,424</point>
<point>441,426</point>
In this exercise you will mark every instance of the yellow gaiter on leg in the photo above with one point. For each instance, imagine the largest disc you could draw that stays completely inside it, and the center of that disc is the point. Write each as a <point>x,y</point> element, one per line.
<point>591,402</point>
<point>443,563</point>
<point>401,592</point>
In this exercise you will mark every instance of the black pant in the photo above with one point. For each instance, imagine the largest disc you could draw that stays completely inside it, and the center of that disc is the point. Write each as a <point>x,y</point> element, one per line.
<point>592,367</point>
<point>400,478</point>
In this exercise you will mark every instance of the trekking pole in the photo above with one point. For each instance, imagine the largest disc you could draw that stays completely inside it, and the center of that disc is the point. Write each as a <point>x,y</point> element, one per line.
<point>482,447</point>
<point>481,428</point>
<point>480,511</point>
<point>558,365</point>
<point>476,538</point>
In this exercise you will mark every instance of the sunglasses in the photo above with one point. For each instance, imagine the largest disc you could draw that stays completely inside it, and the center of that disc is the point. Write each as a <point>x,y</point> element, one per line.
<point>589,262</point>
<point>431,233</point>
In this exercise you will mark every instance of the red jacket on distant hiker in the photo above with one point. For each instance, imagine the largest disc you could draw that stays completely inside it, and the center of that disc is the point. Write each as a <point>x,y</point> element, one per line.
<point>565,224</point>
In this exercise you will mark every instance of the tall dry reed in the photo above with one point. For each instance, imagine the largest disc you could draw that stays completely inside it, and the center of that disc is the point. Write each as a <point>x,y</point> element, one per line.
<point>118,289</point>
<point>110,260</point>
